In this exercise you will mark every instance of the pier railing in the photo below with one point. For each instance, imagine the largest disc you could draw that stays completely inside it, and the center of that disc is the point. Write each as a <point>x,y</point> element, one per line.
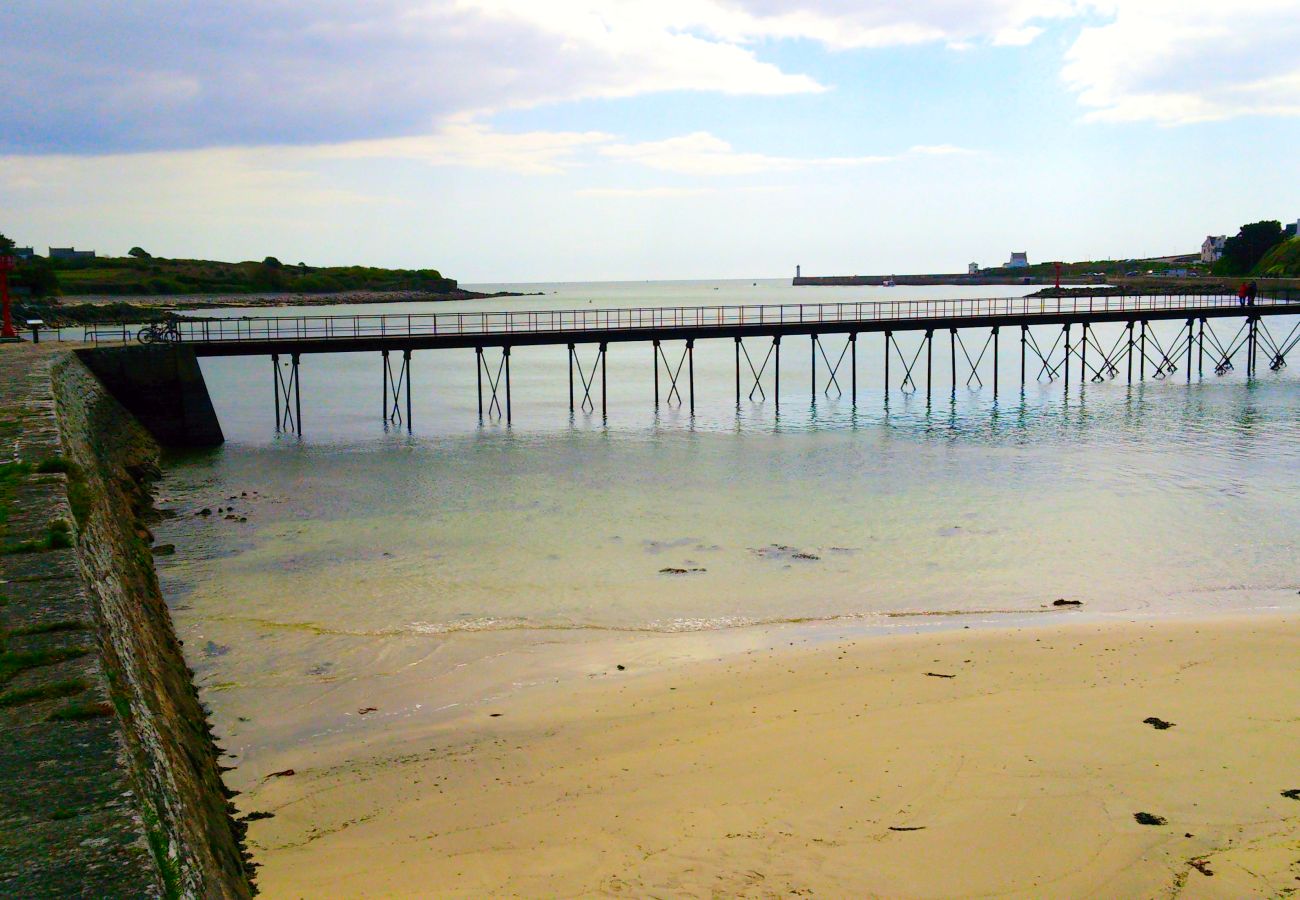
<point>504,323</point>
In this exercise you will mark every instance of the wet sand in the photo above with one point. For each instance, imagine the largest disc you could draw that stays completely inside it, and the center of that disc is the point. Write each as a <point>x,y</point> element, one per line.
<point>832,769</point>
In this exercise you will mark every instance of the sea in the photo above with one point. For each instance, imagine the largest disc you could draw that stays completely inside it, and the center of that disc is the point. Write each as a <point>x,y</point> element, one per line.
<point>425,566</point>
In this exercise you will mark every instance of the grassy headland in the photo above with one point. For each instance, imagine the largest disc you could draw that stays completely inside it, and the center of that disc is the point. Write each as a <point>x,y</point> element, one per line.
<point>144,288</point>
<point>1283,261</point>
<point>127,276</point>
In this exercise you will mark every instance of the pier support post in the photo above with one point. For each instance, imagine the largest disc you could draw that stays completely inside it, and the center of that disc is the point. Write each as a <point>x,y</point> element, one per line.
<point>1200,352</point>
<point>1065,363</point>
<point>406,367</point>
<point>1083,356</point>
<point>776,373</point>
<point>1249,351</point>
<point>275,373</point>
<point>853,362</point>
<point>1142,352</point>
<point>505,351</point>
<point>737,371</point>
<point>929,362</point>
<point>690,370</point>
<point>995,362</point>
<point>571,350</point>
<point>655,348</point>
<point>1024,336</point>
<point>813,359</point>
<point>387,375</point>
<point>478,360</point>
<point>1190,340</point>
<point>889,339</point>
<point>1128,354</point>
<point>952,346</point>
<point>297,396</point>
<point>603,381</point>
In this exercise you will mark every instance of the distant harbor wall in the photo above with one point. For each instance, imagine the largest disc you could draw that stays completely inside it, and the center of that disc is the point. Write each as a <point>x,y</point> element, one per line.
<point>879,280</point>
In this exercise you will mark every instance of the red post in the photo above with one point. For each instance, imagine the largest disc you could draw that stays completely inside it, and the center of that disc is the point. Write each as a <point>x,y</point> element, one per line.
<point>1058,275</point>
<point>6,266</point>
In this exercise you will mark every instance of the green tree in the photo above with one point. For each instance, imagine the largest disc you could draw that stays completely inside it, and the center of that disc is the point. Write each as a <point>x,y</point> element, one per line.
<point>37,275</point>
<point>5,244</point>
<point>272,263</point>
<point>1247,247</point>
<point>139,253</point>
<point>270,276</point>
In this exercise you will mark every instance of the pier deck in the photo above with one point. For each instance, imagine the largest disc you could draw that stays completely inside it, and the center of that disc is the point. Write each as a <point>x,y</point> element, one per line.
<point>1139,348</point>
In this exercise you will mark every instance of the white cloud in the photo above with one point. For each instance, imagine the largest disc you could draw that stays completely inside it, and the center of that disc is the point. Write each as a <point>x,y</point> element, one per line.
<point>621,193</point>
<point>474,145</point>
<point>101,76</point>
<point>705,154</point>
<point>1177,62</point>
<point>857,24</point>
<point>1016,37</point>
<point>940,150</point>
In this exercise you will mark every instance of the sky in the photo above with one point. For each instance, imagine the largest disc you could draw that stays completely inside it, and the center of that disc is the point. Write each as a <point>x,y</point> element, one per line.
<point>543,140</point>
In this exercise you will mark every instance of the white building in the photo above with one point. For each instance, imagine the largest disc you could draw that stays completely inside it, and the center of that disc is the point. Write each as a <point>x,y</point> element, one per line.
<point>1212,248</point>
<point>1018,260</point>
<point>973,269</point>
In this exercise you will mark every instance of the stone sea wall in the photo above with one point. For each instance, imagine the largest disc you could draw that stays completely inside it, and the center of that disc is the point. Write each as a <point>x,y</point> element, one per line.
<point>173,761</point>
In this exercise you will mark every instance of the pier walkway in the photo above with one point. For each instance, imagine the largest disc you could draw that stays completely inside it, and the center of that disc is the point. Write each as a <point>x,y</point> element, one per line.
<point>1055,335</point>
<point>259,335</point>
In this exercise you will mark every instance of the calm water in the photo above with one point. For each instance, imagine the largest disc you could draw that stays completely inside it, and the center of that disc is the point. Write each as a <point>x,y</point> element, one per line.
<point>362,542</point>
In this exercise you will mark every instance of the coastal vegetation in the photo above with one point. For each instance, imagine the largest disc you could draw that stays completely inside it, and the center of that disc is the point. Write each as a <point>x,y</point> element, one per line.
<point>1101,269</point>
<point>143,274</point>
<point>1282,261</point>
<point>1244,252</point>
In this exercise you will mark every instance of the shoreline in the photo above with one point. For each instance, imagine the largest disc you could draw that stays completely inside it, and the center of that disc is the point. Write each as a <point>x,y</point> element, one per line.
<point>99,309</point>
<point>412,679</point>
<point>688,777</point>
<point>237,301</point>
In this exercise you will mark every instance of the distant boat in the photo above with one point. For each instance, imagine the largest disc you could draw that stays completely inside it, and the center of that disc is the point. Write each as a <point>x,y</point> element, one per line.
<point>888,282</point>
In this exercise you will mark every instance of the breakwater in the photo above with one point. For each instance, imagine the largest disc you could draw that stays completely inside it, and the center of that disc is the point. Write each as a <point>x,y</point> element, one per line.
<point>919,280</point>
<point>111,777</point>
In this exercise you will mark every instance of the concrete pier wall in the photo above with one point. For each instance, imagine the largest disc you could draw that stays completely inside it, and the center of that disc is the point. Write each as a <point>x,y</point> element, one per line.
<point>109,772</point>
<point>163,388</point>
<point>184,804</point>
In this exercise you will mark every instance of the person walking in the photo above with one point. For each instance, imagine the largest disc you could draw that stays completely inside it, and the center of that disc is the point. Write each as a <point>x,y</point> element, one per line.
<point>1251,293</point>
<point>1242,291</point>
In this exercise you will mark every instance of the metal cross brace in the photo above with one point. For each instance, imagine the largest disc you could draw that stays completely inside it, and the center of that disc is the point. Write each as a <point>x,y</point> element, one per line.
<point>494,382</point>
<point>395,380</point>
<point>287,396</point>
<point>1279,349</point>
<point>1224,363</point>
<point>974,364</point>
<point>832,368</point>
<point>757,373</point>
<point>908,366</point>
<point>587,379</point>
<point>1047,366</point>
<point>1109,360</point>
<point>673,373</point>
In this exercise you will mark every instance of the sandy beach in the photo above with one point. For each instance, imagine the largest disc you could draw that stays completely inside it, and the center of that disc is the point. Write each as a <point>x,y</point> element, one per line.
<point>1005,762</point>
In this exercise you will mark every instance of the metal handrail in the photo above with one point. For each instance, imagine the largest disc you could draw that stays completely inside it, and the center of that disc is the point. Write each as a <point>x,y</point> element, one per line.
<point>502,323</point>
